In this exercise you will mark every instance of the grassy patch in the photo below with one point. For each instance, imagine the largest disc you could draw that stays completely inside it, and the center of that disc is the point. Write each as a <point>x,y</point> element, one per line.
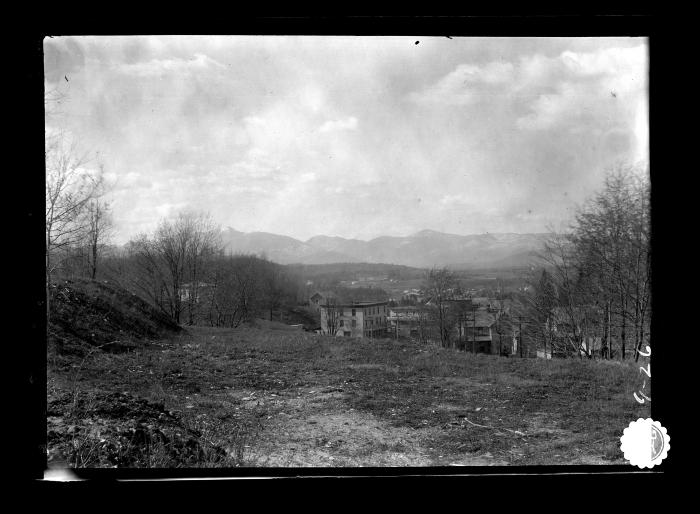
<point>250,393</point>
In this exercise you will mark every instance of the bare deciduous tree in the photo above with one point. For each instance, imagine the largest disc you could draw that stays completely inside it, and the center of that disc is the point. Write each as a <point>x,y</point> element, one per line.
<point>601,269</point>
<point>330,316</point>
<point>99,231</point>
<point>175,254</point>
<point>70,187</point>
<point>440,284</point>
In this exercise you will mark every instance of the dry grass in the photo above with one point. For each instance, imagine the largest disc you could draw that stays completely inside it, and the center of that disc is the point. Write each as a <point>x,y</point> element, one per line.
<point>258,394</point>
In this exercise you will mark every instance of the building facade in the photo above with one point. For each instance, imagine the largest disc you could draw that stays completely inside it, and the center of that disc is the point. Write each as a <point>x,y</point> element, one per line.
<point>359,319</point>
<point>319,298</point>
<point>406,321</point>
<point>475,331</point>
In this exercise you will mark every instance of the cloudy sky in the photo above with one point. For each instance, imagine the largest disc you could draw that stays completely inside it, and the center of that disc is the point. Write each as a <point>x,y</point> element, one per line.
<point>352,136</point>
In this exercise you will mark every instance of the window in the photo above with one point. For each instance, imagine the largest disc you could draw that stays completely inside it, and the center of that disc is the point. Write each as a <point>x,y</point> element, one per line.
<point>354,323</point>
<point>341,322</point>
<point>346,334</point>
<point>353,312</point>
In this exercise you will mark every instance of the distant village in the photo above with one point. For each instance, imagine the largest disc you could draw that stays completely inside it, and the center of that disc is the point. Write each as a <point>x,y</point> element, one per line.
<point>478,323</point>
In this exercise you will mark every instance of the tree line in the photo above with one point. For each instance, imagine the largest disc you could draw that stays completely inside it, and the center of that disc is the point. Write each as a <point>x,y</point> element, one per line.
<point>78,216</point>
<point>183,270</point>
<point>592,295</point>
<point>588,292</point>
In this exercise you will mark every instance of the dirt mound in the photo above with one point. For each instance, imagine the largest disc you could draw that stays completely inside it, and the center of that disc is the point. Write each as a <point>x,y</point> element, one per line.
<point>88,313</point>
<point>120,430</point>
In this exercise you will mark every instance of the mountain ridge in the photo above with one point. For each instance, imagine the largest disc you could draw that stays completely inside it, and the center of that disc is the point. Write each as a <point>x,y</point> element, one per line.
<point>425,248</point>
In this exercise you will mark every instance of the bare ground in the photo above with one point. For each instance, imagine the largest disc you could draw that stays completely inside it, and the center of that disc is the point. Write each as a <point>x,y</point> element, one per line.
<point>262,397</point>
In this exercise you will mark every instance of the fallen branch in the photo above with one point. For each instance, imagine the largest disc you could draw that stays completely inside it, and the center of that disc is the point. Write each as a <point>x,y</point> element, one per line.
<point>517,432</point>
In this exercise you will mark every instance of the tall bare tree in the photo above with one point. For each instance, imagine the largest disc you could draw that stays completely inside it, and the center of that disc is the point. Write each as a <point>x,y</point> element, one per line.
<point>611,235</point>
<point>99,231</point>
<point>175,254</point>
<point>560,255</point>
<point>542,305</point>
<point>440,284</point>
<point>274,287</point>
<point>204,241</point>
<point>70,187</point>
<point>235,294</point>
<point>331,316</point>
<point>601,269</point>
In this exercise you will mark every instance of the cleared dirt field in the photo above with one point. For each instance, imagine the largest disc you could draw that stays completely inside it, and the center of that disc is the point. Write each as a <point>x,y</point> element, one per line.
<point>265,397</point>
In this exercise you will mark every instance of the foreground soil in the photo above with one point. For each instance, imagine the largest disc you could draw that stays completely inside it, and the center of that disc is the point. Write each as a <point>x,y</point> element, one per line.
<point>266,397</point>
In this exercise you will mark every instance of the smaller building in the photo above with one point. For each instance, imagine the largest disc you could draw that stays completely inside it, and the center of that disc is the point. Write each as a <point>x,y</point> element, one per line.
<point>482,302</point>
<point>406,321</point>
<point>412,296</point>
<point>319,298</point>
<point>564,331</point>
<point>189,292</point>
<point>475,331</point>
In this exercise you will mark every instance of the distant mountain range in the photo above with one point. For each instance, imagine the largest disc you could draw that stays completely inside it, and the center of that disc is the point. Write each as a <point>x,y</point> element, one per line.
<point>423,249</point>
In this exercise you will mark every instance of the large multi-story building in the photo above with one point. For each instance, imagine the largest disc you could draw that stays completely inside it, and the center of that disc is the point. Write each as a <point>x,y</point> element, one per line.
<point>357,319</point>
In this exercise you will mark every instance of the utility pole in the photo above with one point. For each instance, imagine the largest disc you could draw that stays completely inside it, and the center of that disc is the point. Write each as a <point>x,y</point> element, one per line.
<point>473,331</point>
<point>459,332</point>
<point>520,332</point>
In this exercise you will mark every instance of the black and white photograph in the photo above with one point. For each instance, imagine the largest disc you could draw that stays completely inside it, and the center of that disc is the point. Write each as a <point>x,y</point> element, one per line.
<point>351,251</point>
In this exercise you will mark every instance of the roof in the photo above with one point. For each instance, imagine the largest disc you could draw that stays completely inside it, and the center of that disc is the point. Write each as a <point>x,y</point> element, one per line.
<point>408,308</point>
<point>483,319</point>
<point>324,294</point>
<point>448,300</point>
<point>357,304</point>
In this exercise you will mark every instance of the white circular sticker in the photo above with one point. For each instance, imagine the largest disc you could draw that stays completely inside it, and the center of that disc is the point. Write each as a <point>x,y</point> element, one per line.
<point>645,443</point>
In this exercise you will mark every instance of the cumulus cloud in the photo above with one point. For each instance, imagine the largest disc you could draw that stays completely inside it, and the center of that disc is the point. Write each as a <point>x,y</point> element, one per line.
<point>258,130</point>
<point>342,124</point>
<point>604,88</point>
<point>463,85</point>
<point>129,181</point>
<point>156,67</point>
<point>458,199</point>
<point>573,86</point>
